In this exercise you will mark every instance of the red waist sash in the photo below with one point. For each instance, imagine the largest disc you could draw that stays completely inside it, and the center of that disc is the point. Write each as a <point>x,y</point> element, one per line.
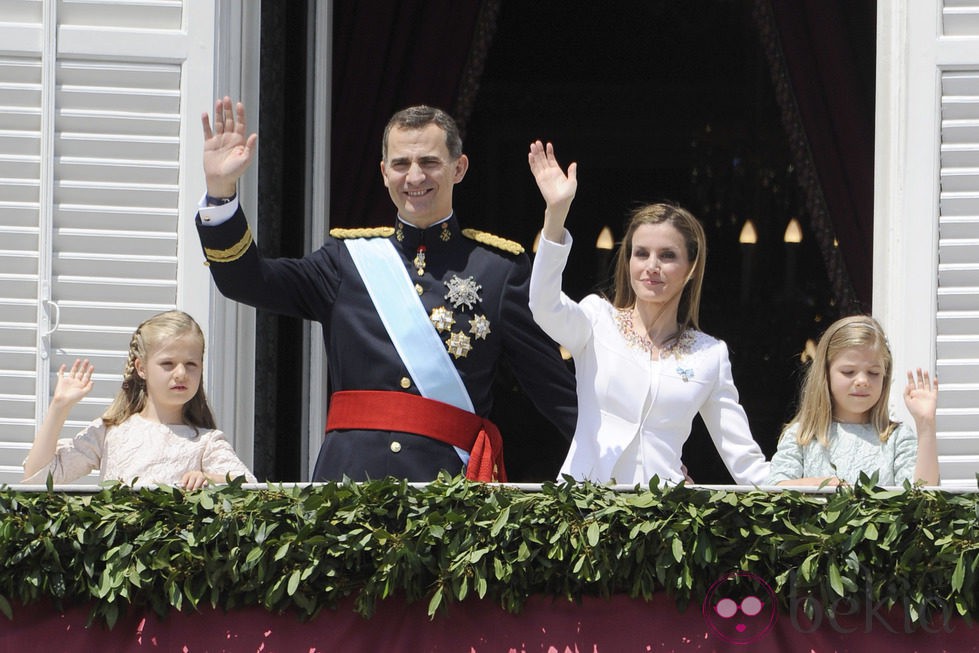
<point>399,411</point>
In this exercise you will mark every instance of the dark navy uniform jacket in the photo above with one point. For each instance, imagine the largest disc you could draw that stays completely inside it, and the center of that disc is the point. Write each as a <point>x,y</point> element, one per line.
<point>325,286</point>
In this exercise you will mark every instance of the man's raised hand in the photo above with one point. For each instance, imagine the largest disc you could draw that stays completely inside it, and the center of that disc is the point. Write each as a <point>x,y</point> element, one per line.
<point>228,149</point>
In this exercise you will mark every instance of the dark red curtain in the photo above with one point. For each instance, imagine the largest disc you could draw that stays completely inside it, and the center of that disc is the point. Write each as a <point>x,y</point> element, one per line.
<point>386,56</point>
<point>821,54</point>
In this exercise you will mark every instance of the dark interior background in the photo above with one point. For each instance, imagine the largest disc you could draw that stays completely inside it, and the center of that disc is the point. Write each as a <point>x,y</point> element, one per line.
<point>655,100</point>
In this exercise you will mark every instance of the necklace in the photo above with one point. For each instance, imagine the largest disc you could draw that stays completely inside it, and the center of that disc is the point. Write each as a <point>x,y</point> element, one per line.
<point>676,345</point>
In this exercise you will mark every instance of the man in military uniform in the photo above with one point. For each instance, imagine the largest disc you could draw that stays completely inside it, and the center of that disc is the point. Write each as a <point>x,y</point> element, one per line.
<point>415,316</point>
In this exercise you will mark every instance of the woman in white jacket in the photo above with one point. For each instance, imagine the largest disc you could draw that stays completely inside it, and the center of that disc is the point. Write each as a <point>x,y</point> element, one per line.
<point>643,368</point>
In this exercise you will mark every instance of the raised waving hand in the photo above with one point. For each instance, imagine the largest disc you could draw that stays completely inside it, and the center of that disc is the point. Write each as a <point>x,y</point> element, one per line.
<point>921,395</point>
<point>228,149</point>
<point>921,398</point>
<point>70,389</point>
<point>73,387</point>
<point>557,188</point>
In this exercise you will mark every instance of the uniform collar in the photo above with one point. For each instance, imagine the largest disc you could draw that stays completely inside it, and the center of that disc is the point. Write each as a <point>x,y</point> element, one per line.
<point>410,238</point>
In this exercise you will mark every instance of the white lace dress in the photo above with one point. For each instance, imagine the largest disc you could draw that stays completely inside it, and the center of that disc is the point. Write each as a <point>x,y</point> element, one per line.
<point>150,452</point>
<point>852,448</point>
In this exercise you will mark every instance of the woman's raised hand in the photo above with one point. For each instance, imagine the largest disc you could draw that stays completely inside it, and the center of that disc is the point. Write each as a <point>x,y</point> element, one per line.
<point>228,149</point>
<point>555,186</point>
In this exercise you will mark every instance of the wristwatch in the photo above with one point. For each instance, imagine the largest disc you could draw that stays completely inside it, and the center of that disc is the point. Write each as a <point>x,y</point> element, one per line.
<point>218,201</point>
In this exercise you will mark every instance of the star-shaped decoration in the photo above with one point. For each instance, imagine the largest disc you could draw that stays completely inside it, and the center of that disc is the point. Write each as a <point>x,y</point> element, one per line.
<point>442,318</point>
<point>459,344</point>
<point>479,326</point>
<point>462,292</point>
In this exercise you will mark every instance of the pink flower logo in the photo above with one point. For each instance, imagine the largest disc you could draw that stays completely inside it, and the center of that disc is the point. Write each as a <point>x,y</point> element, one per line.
<point>740,607</point>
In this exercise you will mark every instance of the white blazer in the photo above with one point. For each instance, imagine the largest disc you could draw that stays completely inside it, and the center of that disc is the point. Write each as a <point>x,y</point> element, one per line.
<point>634,413</point>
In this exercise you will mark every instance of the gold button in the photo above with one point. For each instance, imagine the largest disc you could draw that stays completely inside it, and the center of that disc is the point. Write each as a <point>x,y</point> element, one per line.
<point>395,447</point>
<point>419,289</point>
<point>405,382</point>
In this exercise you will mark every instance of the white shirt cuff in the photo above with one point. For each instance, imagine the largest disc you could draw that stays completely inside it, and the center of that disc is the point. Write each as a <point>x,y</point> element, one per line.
<point>212,216</point>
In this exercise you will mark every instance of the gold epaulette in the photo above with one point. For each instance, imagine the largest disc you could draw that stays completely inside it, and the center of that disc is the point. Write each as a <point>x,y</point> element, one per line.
<point>232,253</point>
<point>362,232</point>
<point>486,238</point>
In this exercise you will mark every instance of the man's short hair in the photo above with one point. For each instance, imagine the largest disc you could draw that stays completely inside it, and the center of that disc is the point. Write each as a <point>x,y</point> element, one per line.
<point>420,116</point>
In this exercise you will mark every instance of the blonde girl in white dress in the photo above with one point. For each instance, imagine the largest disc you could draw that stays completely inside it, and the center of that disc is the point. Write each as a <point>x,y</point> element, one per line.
<point>159,429</point>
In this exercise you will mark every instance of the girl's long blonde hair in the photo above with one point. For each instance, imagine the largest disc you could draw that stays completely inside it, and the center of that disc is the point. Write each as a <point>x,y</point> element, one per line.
<point>815,414</point>
<point>148,337</point>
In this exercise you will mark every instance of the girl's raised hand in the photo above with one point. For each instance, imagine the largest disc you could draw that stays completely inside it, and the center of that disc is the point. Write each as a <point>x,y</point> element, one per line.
<point>73,386</point>
<point>921,395</point>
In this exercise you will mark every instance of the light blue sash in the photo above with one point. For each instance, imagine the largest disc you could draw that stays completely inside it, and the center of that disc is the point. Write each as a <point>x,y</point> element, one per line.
<point>408,325</point>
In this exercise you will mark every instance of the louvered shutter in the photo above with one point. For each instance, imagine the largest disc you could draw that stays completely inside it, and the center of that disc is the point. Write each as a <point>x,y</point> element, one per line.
<point>20,226</point>
<point>20,155</point>
<point>957,324</point>
<point>926,217</point>
<point>93,99</point>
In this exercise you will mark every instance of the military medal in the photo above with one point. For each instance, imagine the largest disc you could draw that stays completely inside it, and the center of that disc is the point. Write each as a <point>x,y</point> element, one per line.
<point>446,233</point>
<point>419,261</point>
<point>459,344</point>
<point>479,326</point>
<point>462,292</point>
<point>442,318</point>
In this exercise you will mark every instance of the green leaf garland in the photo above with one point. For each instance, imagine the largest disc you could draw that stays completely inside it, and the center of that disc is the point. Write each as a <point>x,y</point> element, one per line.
<point>304,548</point>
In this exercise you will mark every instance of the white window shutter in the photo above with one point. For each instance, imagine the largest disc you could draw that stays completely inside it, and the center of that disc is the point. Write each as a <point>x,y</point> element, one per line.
<point>20,155</point>
<point>957,323</point>
<point>94,104</point>
<point>20,227</point>
<point>958,270</point>
<point>116,210</point>
<point>926,230</point>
